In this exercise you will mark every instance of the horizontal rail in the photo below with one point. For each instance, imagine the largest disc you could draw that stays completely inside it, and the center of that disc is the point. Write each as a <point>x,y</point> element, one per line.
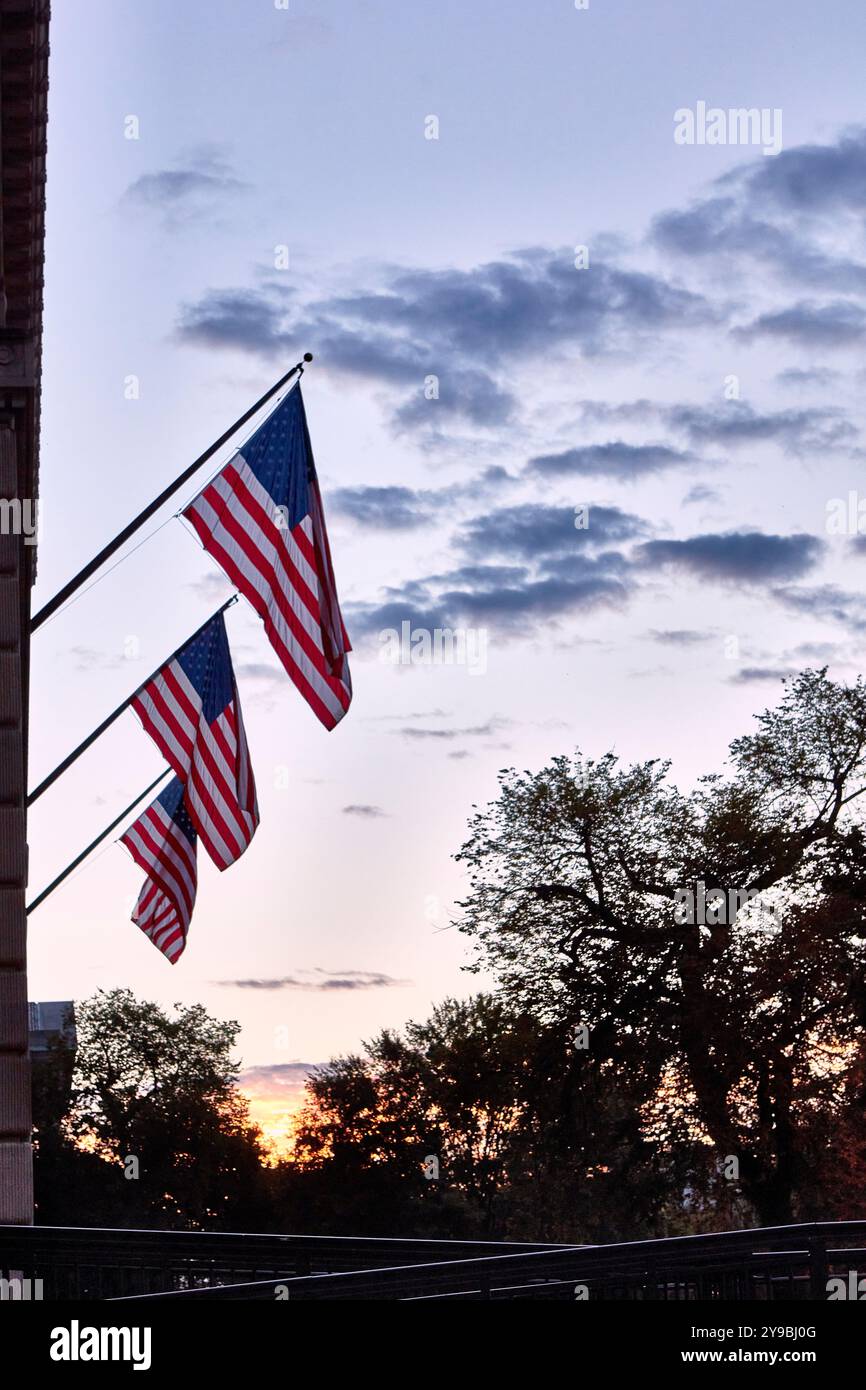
<point>80,1262</point>
<point>791,1255</point>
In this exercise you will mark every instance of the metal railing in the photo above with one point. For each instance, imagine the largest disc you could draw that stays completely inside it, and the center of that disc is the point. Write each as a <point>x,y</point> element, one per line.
<point>772,1263</point>
<point>83,1263</point>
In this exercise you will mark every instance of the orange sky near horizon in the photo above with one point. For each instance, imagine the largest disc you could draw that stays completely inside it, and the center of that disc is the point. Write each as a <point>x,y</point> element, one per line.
<point>276,1096</point>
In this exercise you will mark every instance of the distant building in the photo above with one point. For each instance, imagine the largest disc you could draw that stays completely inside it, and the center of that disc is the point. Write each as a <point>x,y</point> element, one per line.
<point>53,1040</point>
<point>51,1023</point>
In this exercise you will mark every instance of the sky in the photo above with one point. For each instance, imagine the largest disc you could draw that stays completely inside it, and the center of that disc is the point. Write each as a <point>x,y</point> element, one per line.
<point>583,393</point>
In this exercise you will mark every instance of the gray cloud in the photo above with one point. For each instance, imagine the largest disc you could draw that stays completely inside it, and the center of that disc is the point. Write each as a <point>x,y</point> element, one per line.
<point>175,186</point>
<point>837,324</point>
<point>246,320</point>
<point>826,602</point>
<point>764,211</point>
<point>397,508</point>
<point>462,326</point>
<point>486,730</point>
<point>701,493</point>
<point>736,424</point>
<point>365,812</point>
<point>799,377</point>
<point>549,568</point>
<point>194,188</point>
<point>389,508</point>
<point>537,530</point>
<point>811,178</point>
<point>679,637</point>
<point>749,557</point>
<point>318,981</point>
<point>613,460</point>
<point>753,675</point>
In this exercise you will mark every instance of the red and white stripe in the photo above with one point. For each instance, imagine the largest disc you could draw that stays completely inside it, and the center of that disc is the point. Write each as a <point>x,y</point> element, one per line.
<point>211,759</point>
<point>164,907</point>
<point>287,577</point>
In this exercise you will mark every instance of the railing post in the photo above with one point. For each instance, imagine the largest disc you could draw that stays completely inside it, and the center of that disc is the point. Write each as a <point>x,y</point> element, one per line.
<point>818,1270</point>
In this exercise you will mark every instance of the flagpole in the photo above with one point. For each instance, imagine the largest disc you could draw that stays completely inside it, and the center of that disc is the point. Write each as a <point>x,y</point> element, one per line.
<point>92,846</point>
<point>91,738</point>
<point>122,536</point>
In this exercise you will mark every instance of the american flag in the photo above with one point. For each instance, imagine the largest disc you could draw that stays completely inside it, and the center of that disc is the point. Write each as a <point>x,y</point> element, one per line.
<point>261,518</point>
<point>192,712</point>
<point>163,841</point>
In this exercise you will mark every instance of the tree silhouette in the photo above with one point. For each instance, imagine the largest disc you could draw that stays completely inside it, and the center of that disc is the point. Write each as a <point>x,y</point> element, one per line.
<point>530,1139</point>
<point>742,1024</point>
<point>155,1102</point>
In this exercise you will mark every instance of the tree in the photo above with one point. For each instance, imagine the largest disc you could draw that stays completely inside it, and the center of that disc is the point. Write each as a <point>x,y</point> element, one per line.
<point>155,1097</point>
<point>522,1134</point>
<point>425,1114</point>
<point>738,1018</point>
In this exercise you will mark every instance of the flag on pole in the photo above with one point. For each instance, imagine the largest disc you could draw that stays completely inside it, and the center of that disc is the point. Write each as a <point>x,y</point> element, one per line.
<point>261,518</point>
<point>163,842</point>
<point>192,712</point>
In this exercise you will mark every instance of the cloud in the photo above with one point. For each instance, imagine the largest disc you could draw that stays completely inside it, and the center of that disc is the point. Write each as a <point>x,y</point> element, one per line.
<point>365,812</point>
<point>259,670</point>
<point>463,328</point>
<point>613,460</point>
<point>276,1076</point>
<point>174,186</point>
<point>701,493</point>
<point>212,587</point>
<point>245,320</point>
<point>753,675</point>
<point>618,412</point>
<point>526,562</point>
<point>740,557</point>
<point>776,213</point>
<point>826,602</point>
<point>498,599</point>
<point>189,191</point>
<point>825,179</point>
<point>470,394</point>
<point>394,507</point>
<point>735,425</point>
<point>838,324</point>
<point>799,377</point>
<point>487,730</point>
<point>318,981</point>
<point>537,530</point>
<point>388,508</point>
<point>92,659</point>
<point>679,637</point>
